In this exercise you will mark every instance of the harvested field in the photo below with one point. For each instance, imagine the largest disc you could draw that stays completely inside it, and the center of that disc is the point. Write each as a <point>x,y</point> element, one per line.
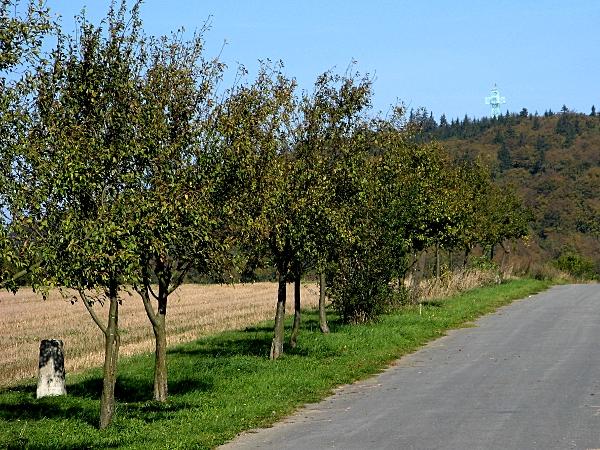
<point>194,311</point>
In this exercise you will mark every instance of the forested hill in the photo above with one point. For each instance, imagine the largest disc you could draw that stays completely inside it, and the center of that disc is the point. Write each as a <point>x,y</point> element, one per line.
<point>554,162</point>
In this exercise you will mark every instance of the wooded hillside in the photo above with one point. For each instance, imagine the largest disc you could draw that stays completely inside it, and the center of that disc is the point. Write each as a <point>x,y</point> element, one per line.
<point>554,162</point>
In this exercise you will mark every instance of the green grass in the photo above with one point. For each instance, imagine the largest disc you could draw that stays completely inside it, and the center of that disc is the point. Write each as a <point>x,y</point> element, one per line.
<point>224,384</point>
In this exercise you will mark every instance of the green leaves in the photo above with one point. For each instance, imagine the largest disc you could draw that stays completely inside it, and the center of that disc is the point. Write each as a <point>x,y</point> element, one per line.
<point>22,28</point>
<point>77,171</point>
<point>21,35</point>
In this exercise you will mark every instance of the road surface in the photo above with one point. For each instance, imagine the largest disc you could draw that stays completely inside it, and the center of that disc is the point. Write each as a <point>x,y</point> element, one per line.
<point>527,377</point>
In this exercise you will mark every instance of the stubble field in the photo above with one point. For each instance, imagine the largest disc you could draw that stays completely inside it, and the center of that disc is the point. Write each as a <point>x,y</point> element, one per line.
<point>193,311</point>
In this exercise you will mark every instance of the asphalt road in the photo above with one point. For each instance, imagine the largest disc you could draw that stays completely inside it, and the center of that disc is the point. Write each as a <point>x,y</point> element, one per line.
<point>527,377</point>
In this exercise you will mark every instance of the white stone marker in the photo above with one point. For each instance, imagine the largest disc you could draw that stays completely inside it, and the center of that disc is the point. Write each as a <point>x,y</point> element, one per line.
<point>51,374</point>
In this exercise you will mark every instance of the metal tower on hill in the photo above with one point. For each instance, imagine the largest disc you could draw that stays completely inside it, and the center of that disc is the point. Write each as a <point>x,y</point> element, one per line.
<point>495,101</point>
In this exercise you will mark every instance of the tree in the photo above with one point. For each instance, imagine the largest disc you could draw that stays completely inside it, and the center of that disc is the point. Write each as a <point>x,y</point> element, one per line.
<point>498,138</point>
<point>471,185</point>
<point>593,112</point>
<point>568,126</point>
<point>361,266</point>
<point>405,204</point>
<point>21,35</point>
<point>180,212</point>
<point>502,217</point>
<point>325,136</point>
<point>443,121</point>
<point>255,123</point>
<point>489,214</point>
<point>79,171</point>
<point>541,146</point>
<point>298,220</point>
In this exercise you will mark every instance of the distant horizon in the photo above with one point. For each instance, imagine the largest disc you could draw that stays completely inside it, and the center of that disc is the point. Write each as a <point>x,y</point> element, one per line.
<point>504,111</point>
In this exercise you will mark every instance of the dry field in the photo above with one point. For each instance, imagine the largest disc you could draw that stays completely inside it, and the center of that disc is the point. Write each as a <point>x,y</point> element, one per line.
<point>194,311</point>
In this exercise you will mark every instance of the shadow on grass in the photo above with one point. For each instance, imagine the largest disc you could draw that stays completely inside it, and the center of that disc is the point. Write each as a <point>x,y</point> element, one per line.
<point>186,385</point>
<point>133,394</point>
<point>253,341</point>
<point>244,343</point>
<point>258,329</point>
<point>131,389</point>
<point>29,408</point>
<point>20,442</point>
<point>432,303</point>
<point>310,322</point>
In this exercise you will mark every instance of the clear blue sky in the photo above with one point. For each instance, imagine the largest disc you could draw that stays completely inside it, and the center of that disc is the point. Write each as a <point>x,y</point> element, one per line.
<point>444,55</point>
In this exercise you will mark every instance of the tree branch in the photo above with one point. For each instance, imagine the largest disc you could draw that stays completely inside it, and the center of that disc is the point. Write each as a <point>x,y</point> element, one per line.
<point>179,278</point>
<point>152,292</point>
<point>18,275</point>
<point>146,280</point>
<point>143,291</point>
<point>88,306</point>
<point>148,305</point>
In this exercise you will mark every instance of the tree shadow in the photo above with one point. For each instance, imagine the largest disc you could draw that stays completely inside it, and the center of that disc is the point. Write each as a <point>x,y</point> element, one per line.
<point>311,323</point>
<point>19,442</point>
<point>133,395</point>
<point>242,345</point>
<point>186,385</point>
<point>258,329</point>
<point>254,340</point>
<point>62,407</point>
<point>90,388</point>
<point>133,389</point>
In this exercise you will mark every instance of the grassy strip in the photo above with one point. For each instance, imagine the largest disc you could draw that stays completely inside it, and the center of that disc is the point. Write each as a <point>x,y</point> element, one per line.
<point>224,384</point>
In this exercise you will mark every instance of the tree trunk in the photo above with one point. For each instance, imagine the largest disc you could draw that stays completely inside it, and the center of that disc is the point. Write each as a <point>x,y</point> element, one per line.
<point>160,356</point>
<point>414,284</point>
<point>111,354</point>
<point>437,260</point>
<point>422,266</point>
<point>159,327</point>
<point>277,344</point>
<point>297,314</point>
<point>505,255</point>
<point>322,315</point>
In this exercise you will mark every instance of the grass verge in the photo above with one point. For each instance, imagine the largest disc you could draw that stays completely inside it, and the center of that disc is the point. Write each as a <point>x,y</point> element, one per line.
<point>223,384</point>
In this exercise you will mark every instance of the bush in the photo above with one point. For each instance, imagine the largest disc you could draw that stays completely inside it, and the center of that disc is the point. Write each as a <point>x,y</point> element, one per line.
<point>546,272</point>
<point>577,265</point>
<point>482,263</point>
<point>360,287</point>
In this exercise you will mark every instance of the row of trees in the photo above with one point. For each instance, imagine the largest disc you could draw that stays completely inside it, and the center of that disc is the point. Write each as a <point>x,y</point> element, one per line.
<point>124,165</point>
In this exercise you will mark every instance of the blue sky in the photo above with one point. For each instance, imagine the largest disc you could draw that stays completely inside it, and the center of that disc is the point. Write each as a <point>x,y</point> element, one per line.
<point>443,55</point>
